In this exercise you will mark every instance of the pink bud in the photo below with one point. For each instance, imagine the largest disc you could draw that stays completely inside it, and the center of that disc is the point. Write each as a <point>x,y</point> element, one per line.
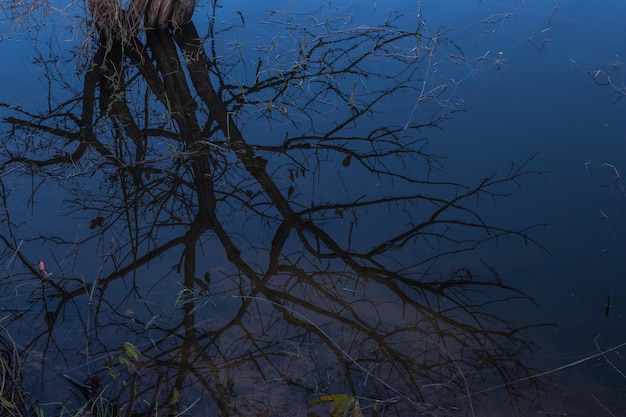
<point>41,266</point>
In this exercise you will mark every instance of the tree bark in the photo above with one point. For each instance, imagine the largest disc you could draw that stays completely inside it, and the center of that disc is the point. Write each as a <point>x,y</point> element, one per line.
<point>112,20</point>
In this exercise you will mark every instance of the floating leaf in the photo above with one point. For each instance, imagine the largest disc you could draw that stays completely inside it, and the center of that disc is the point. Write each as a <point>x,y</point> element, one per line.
<point>7,403</point>
<point>341,404</point>
<point>346,160</point>
<point>176,397</point>
<point>152,321</point>
<point>130,350</point>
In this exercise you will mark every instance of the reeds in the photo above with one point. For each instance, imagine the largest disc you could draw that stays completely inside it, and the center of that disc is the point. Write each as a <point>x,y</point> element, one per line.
<point>13,398</point>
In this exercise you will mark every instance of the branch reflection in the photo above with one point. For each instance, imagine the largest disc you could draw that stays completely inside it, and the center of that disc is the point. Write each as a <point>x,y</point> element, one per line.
<point>251,241</point>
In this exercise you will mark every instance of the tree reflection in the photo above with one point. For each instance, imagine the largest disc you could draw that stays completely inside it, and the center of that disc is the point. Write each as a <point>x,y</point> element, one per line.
<point>313,246</point>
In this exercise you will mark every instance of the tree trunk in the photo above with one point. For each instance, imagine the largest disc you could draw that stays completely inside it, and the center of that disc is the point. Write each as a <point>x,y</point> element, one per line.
<point>112,20</point>
<point>169,13</point>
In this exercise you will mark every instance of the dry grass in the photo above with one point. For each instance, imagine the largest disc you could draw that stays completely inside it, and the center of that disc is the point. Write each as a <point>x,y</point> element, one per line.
<point>13,398</point>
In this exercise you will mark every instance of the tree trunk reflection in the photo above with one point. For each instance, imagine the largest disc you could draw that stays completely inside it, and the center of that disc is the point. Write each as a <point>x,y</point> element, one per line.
<point>303,295</point>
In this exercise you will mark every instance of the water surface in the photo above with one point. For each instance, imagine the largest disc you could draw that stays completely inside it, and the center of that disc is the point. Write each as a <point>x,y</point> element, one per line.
<point>394,208</point>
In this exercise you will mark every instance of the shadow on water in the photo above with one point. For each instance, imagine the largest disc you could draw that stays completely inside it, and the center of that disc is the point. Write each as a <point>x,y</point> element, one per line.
<point>159,261</point>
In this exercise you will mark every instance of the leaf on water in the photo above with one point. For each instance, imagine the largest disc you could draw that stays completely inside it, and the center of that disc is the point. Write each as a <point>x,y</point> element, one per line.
<point>130,350</point>
<point>290,191</point>
<point>347,160</point>
<point>341,405</point>
<point>7,403</point>
<point>176,397</point>
<point>151,321</point>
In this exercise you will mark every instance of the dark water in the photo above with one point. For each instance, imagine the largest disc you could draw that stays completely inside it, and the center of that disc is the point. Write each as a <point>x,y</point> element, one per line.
<point>280,210</point>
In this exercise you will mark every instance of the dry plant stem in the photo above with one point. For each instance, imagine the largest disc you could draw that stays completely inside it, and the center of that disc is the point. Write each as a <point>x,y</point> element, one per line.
<point>89,303</point>
<point>182,413</point>
<point>595,341</point>
<point>11,392</point>
<point>552,371</point>
<point>603,406</point>
<point>17,249</point>
<point>421,94</point>
<point>465,383</point>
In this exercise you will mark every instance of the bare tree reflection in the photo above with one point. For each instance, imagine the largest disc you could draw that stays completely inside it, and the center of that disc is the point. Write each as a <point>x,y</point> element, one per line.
<point>308,233</point>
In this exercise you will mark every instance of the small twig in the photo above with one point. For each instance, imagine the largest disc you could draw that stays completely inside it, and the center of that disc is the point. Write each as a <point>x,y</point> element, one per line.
<point>603,406</point>
<point>188,408</point>
<point>595,342</point>
<point>554,370</point>
<point>15,251</point>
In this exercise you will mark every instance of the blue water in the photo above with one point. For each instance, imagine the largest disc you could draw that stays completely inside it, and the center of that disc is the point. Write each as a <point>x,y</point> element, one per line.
<point>524,77</point>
